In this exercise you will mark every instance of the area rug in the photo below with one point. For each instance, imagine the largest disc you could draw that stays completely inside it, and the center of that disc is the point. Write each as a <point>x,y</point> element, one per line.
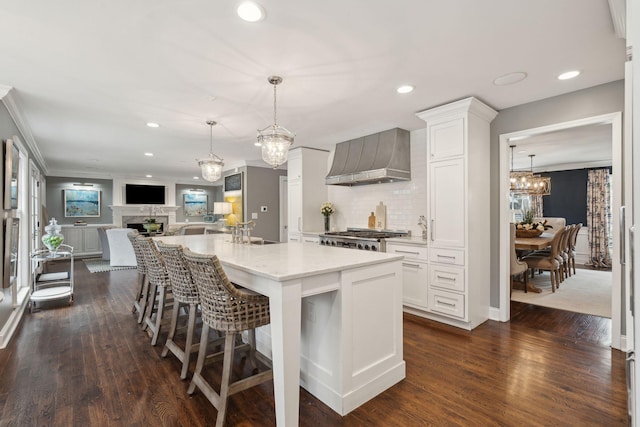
<point>99,265</point>
<point>587,291</point>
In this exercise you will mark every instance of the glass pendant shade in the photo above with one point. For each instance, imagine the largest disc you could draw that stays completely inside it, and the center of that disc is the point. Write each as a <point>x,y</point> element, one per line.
<point>275,140</point>
<point>212,165</point>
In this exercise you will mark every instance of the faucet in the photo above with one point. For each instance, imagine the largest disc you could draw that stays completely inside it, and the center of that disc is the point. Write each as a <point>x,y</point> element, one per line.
<point>422,222</point>
<point>246,227</point>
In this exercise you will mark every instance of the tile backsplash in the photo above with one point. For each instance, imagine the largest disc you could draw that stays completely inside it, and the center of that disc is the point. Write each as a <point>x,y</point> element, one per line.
<point>405,201</point>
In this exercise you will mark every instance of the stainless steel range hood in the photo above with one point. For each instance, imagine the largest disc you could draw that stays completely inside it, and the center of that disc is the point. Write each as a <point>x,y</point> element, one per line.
<point>381,157</point>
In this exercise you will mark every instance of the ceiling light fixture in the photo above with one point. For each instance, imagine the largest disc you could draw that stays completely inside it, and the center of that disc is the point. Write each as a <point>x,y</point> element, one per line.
<point>148,154</point>
<point>149,176</point>
<point>569,75</point>
<point>275,139</point>
<point>526,182</point>
<point>250,11</point>
<point>509,79</point>
<point>153,125</point>
<point>212,165</point>
<point>405,89</point>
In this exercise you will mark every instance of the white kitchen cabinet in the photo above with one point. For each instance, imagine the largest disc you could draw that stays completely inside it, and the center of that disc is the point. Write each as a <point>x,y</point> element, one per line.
<point>458,145</point>
<point>311,238</point>
<point>447,210</point>
<point>415,273</point>
<point>306,172</point>
<point>84,239</point>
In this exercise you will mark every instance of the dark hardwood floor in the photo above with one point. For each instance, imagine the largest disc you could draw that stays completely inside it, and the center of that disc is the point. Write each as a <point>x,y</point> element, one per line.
<point>90,364</point>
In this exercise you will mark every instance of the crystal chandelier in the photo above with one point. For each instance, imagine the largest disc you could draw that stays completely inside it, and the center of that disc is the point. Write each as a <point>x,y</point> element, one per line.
<point>212,165</point>
<point>275,140</point>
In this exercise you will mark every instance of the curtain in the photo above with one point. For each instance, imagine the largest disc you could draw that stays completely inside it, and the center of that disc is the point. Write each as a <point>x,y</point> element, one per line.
<point>599,217</point>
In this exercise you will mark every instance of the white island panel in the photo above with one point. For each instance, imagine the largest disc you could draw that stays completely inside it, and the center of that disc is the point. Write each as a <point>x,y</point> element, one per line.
<point>336,317</point>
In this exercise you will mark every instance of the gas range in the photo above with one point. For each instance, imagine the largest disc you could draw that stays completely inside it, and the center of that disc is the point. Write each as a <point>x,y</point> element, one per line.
<point>360,238</point>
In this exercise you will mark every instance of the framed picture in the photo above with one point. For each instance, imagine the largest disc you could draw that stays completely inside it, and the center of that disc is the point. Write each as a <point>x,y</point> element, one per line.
<point>81,203</point>
<point>11,238</point>
<point>233,182</point>
<point>195,204</point>
<point>11,163</point>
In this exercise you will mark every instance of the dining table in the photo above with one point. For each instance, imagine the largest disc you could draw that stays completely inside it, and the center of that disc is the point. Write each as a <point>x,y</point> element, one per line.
<point>534,244</point>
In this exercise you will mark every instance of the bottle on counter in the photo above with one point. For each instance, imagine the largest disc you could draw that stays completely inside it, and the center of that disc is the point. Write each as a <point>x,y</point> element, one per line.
<point>372,221</point>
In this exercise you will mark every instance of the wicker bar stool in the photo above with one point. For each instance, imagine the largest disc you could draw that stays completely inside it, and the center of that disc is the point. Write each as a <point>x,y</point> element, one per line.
<point>184,293</point>
<point>140,301</point>
<point>160,287</point>
<point>230,310</point>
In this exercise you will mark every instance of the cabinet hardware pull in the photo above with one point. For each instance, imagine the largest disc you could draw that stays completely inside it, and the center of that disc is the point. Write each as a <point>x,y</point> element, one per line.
<point>432,227</point>
<point>622,235</point>
<point>407,252</point>
<point>406,264</point>
<point>446,256</point>
<point>446,303</point>
<point>453,279</point>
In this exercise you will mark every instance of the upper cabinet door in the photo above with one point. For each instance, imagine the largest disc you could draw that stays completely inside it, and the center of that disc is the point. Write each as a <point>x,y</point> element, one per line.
<point>446,139</point>
<point>448,204</point>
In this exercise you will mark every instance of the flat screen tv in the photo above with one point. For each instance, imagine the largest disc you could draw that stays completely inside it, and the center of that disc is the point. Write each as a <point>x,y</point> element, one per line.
<point>144,194</point>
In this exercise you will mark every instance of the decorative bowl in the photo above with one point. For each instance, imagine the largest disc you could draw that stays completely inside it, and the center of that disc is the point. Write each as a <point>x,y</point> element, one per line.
<point>528,233</point>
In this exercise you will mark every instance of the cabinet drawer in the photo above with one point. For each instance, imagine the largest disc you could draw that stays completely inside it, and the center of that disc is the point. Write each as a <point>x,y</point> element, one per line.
<point>409,251</point>
<point>446,256</point>
<point>447,303</point>
<point>450,278</point>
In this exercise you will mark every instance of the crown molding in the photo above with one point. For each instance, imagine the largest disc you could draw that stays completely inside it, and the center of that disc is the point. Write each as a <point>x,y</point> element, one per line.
<point>618,10</point>
<point>8,96</point>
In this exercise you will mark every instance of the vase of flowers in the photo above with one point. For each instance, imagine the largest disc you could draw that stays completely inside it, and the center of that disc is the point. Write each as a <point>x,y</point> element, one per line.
<point>530,228</point>
<point>327,209</point>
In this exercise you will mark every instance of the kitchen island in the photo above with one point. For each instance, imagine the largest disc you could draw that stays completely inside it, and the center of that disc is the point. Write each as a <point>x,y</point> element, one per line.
<point>336,317</point>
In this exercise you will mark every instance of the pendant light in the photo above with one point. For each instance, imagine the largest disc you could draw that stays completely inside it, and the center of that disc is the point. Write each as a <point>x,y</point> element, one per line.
<point>520,180</point>
<point>539,185</point>
<point>212,165</point>
<point>275,140</point>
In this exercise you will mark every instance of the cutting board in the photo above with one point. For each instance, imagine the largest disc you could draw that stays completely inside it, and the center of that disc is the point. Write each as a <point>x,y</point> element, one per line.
<point>381,216</point>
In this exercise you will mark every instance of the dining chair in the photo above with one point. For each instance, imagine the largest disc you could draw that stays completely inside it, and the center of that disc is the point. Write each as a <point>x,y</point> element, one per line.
<point>142,293</point>
<point>518,267</point>
<point>185,292</point>
<point>563,252</point>
<point>549,262</point>
<point>573,238</point>
<point>231,311</point>
<point>160,287</point>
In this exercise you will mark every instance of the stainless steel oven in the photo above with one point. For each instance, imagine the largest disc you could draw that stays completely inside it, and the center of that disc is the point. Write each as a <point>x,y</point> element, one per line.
<point>360,238</point>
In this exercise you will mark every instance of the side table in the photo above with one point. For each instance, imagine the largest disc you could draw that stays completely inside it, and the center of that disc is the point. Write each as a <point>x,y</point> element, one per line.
<point>51,286</point>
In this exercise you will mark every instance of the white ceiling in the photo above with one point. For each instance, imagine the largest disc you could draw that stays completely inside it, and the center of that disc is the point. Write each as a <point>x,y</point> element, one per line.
<point>88,75</point>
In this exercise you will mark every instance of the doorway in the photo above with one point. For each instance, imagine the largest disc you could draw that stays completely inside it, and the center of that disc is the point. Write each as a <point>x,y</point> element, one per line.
<point>613,119</point>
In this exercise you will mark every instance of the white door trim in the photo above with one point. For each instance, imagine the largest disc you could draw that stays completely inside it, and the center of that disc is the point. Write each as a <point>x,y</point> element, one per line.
<point>615,120</point>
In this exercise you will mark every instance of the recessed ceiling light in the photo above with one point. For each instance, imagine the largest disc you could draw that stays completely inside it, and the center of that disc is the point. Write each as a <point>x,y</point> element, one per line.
<point>250,11</point>
<point>153,125</point>
<point>196,177</point>
<point>148,154</point>
<point>258,144</point>
<point>509,79</point>
<point>149,176</point>
<point>569,75</point>
<point>405,89</point>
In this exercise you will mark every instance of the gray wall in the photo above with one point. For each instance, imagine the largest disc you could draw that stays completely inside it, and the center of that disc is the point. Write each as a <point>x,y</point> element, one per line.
<point>214,193</point>
<point>263,189</point>
<point>55,198</point>
<point>594,101</point>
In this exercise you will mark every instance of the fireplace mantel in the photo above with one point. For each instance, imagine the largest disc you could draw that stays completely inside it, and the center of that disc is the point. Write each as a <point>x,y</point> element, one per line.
<point>120,211</point>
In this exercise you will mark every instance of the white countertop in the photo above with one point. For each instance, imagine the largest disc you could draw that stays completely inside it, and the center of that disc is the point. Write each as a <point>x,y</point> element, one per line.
<point>284,261</point>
